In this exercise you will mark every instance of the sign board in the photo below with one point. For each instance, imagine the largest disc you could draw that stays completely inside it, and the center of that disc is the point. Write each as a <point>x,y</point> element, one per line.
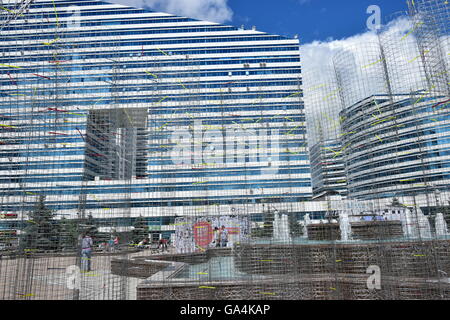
<point>196,234</point>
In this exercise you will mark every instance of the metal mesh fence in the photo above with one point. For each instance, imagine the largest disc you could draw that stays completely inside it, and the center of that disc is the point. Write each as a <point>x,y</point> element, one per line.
<point>118,181</point>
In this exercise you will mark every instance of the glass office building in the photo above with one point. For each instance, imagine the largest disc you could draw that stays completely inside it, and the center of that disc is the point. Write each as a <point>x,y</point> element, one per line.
<point>328,169</point>
<point>120,112</point>
<point>397,149</point>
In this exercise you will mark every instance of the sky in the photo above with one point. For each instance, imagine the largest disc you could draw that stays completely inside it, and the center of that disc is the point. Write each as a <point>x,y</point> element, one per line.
<point>324,27</point>
<point>310,19</point>
<point>319,20</point>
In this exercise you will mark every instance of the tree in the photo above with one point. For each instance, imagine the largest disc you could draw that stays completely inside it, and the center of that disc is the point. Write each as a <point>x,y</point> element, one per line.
<point>140,230</point>
<point>91,225</point>
<point>295,228</point>
<point>41,231</point>
<point>444,209</point>
<point>68,237</point>
<point>396,203</point>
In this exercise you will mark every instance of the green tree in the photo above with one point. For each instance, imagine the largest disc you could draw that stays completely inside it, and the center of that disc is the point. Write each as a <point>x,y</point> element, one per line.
<point>88,225</point>
<point>140,230</point>
<point>68,236</point>
<point>446,212</point>
<point>396,203</point>
<point>295,229</point>
<point>41,231</point>
<point>91,225</point>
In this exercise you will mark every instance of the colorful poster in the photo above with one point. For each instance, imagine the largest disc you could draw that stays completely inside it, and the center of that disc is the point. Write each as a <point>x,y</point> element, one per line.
<point>196,234</point>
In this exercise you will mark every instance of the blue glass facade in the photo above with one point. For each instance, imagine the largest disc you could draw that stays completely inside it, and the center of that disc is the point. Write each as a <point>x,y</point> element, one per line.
<point>93,95</point>
<point>328,168</point>
<point>397,149</point>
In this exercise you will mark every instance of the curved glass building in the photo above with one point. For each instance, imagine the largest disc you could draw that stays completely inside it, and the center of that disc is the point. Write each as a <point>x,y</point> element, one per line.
<point>395,128</point>
<point>397,149</point>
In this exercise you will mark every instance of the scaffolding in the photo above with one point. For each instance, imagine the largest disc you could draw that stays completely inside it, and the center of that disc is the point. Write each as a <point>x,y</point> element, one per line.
<point>431,18</point>
<point>233,192</point>
<point>323,98</point>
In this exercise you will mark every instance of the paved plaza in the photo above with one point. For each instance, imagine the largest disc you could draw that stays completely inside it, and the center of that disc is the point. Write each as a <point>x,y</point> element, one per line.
<point>45,278</point>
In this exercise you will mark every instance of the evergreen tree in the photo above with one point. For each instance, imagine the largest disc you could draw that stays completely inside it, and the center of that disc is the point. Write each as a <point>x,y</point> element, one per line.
<point>446,212</point>
<point>68,234</point>
<point>140,230</point>
<point>41,231</point>
<point>91,224</point>
<point>295,229</point>
<point>396,203</point>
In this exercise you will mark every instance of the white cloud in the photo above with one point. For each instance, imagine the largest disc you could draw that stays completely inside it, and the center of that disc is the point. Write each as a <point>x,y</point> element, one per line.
<point>363,74</point>
<point>209,10</point>
<point>321,93</point>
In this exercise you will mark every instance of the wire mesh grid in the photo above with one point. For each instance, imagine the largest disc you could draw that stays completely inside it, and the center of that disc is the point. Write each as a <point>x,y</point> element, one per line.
<point>120,183</point>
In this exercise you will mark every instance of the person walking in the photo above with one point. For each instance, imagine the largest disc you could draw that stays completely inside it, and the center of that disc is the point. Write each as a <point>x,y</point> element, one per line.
<point>116,243</point>
<point>223,237</point>
<point>86,252</point>
<point>163,244</point>
<point>143,244</point>
<point>217,237</point>
<point>111,245</point>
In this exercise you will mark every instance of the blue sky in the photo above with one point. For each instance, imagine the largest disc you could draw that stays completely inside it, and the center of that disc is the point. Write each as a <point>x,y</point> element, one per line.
<point>324,27</point>
<point>321,20</point>
<point>310,19</point>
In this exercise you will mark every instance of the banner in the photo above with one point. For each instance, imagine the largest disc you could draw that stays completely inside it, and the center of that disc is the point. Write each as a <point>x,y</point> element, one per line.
<point>197,234</point>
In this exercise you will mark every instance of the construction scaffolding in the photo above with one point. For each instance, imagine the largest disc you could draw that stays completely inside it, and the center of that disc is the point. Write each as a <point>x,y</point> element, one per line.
<point>141,171</point>
<point>323,98</point>
<point>393,120</point>
<point>432,30</point>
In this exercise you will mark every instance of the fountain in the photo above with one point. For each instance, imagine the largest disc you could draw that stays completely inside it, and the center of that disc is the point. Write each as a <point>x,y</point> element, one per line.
<point>409,227</point>
<point>441,225</point>
<point>307,221</point>
<point>281,229</point>
<point>415,226</point>
<point>285,235</point>
<point>276,227</point>
<point>344,225</point>
<point>424,225</point>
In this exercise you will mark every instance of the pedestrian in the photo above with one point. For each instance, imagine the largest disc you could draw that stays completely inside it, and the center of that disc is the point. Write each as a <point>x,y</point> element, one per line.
<point>86,252</point>
<point>163,244</point>
<point>111,245</point>
<point>116,243</point>
<point>217,237</point>
<point>223,237</point>
<point>143,244</point>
